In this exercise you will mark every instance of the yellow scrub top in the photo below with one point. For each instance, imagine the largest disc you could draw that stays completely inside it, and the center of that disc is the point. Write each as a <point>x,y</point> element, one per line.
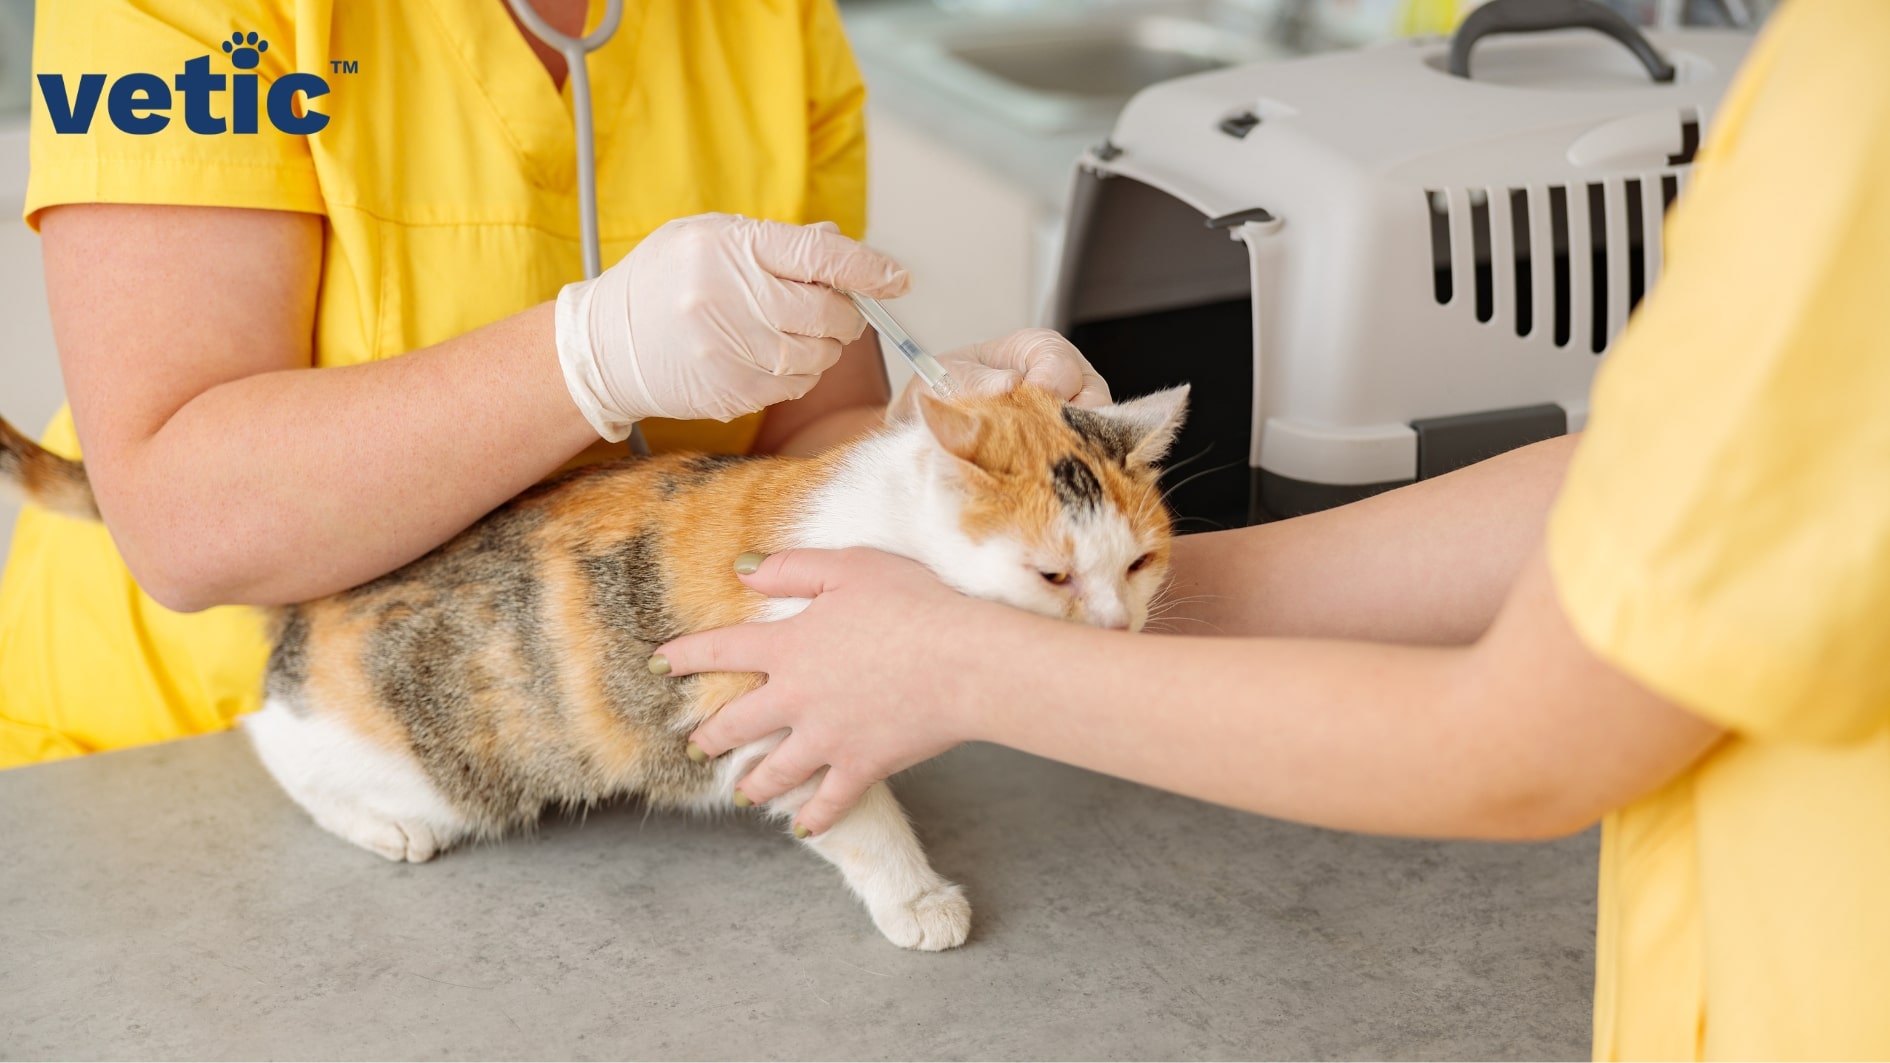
<point>447,184</point>
<point>1724,538</point>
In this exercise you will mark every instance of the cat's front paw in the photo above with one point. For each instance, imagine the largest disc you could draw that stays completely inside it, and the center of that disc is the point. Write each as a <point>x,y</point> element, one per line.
<point>939,918</point>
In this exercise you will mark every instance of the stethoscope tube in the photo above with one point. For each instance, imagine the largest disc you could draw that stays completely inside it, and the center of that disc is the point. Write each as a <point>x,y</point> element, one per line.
<point>576,50</point>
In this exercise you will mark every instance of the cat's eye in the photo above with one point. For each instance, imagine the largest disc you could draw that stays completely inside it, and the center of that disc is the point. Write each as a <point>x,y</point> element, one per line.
<point>1055,578</point>
<point>1140,563</point>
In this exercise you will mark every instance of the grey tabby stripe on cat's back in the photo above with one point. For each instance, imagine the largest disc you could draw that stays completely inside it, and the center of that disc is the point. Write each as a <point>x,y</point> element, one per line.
<point>630,604</point>
<point>697,471</point>
<point>457,642</point>
<point>629,597</point>
<point>288,661</point>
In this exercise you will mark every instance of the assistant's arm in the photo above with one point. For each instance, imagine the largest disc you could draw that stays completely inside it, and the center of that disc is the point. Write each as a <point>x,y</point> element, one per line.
<point>1430,563</point>
<point>1524,734</point>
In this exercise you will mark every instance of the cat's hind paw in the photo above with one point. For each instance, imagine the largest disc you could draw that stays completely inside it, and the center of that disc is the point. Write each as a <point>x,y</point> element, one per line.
<point>939,918</point>
<point>410,841</point>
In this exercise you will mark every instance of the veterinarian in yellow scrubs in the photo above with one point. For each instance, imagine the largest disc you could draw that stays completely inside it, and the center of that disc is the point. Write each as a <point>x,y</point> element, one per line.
<point>445,185</point>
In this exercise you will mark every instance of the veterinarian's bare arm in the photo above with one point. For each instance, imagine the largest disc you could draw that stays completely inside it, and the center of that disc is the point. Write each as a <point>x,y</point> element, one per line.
<point>850,399</point>
<point>227,469</point>
<point>1429,563</point>
<point>1524,735</point>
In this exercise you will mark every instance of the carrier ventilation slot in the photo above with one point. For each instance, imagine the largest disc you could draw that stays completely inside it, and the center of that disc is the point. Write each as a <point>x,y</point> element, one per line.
<point>1558,223</point>
<point>1601,241</point>
<point>1480,243</point>
<point>1438,205</point>
<point>1637,246</point>
<point>1598,268</point>
<point>1525,277</point>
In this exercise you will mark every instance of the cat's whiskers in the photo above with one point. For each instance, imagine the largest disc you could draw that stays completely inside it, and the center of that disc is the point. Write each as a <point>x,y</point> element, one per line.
<point>1167,617</point>
<point>1189,460</point>
<point>1172,488</point>
<point>1163,607</point>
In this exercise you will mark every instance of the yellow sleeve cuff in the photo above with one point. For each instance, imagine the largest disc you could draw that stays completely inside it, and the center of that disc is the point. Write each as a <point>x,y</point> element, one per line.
<point>173,182</point>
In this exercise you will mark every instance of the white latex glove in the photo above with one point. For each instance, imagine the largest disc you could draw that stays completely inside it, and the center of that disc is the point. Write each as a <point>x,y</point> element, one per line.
<point>714,316</point>
<point>1037,356</point>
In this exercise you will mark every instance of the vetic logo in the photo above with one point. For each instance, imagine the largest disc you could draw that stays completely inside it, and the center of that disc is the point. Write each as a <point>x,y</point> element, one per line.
<point>139,103</point>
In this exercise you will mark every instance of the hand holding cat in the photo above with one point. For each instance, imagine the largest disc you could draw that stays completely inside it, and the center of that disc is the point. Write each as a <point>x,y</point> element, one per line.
<point>851,711</point>
<point>714,316</point>
<point>1037,356</point>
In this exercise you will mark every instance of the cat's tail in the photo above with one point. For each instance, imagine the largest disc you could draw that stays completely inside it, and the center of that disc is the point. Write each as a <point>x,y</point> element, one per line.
<point>44,477</point>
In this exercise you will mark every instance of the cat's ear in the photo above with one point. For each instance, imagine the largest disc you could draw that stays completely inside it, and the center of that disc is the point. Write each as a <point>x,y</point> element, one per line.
<point>1137,432</point>
<point>956,428</point>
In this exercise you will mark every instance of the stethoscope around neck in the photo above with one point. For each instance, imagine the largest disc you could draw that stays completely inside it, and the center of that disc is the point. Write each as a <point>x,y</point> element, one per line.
<point>575,51</point>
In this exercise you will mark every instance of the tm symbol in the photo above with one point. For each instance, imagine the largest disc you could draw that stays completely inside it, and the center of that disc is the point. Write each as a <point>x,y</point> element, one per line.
<point>344,66</point>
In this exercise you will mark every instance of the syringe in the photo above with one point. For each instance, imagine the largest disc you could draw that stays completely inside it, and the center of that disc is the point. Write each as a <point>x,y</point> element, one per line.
<point>923,364</point>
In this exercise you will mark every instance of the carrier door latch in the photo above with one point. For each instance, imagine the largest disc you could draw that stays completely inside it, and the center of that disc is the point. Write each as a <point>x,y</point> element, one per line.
<point>1261,216</point>
<point>1239,125</point>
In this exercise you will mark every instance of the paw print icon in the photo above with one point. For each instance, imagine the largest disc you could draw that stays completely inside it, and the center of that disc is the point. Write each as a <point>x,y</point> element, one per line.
<point>245,50</point>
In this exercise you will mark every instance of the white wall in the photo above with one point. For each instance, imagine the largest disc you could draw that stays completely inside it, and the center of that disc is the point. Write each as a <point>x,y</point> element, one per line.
<point>30,388</point>
<point>966,236</point>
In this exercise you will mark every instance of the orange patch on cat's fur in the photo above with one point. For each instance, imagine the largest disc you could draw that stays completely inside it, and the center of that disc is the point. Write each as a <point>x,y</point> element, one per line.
<point>572,625</point>
<point>1004,438</point>
<point>336,680</point>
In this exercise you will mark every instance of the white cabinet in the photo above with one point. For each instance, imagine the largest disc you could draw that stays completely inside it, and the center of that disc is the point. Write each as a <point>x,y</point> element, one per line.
<point>969,237</point>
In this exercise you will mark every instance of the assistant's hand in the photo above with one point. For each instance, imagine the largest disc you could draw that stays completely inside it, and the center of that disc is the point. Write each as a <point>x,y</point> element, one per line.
<point>1037,356</point>
<point>714,316</point>
<point>886,667</point>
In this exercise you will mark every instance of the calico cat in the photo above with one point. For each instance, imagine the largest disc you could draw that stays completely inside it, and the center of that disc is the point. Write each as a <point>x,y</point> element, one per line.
<point>507,671</point>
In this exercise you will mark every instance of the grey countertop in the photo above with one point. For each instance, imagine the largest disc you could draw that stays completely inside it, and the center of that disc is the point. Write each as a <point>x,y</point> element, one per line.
<point>170,902</point>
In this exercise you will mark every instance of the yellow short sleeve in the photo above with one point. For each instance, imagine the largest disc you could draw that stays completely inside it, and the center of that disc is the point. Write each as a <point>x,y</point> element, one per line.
<point>173,166</point>
<point>836,114</point>
<point>1724,532</point>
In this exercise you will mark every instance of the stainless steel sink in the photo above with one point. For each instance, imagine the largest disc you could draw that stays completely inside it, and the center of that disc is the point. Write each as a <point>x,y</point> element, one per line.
<point>1113,60</point>
<point>1071,69</point>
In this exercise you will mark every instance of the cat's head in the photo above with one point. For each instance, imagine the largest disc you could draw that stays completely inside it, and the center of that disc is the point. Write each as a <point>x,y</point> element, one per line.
<point>1059,509</point>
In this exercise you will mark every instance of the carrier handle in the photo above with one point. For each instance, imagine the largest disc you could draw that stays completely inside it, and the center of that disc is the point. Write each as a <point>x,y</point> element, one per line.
<point>1535,16</point>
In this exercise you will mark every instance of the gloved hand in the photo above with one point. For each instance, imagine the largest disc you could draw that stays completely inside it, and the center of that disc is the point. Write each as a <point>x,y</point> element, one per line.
<point>1037,356</point>
<point>714,316</point>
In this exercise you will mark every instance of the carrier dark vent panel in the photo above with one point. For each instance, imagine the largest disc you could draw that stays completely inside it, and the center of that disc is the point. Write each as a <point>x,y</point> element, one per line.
<point>1600,240</point>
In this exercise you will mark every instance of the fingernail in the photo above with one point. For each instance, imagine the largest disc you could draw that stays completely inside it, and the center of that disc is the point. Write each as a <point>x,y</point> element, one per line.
<point>801,832</point>
<point>659,664</point>
<point>746,565</point>
<point>741,800</point>
<point>696,753</point>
